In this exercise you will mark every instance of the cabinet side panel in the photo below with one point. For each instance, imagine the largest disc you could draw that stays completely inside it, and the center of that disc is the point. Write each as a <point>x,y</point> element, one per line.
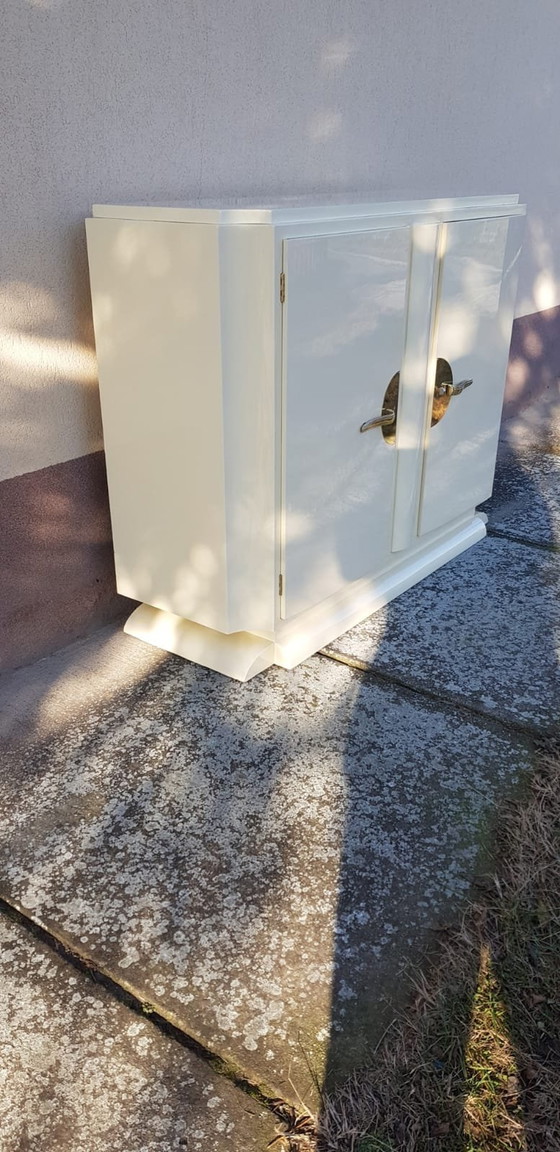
<point>155,296</point>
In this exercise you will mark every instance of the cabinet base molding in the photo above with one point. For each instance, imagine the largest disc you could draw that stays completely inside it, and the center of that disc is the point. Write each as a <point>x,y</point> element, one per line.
<point>241,655</point>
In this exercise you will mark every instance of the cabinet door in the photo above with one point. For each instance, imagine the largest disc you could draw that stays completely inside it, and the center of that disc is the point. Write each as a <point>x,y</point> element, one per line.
<point>476,296</point>
<point>344,327</point>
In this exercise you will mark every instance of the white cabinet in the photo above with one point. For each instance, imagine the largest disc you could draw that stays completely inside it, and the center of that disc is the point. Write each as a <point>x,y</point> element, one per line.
<point>263,498</point>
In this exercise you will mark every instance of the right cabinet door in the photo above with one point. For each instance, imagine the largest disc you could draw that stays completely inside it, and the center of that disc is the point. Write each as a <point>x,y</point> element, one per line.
<point>474,312</point>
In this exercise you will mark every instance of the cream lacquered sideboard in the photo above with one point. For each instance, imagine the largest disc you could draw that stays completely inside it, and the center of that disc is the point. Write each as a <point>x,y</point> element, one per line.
<point>301,406</point>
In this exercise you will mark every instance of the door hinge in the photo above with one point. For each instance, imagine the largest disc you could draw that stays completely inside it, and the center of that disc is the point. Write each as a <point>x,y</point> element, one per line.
<point>282,287</point>
<point>280,585</point>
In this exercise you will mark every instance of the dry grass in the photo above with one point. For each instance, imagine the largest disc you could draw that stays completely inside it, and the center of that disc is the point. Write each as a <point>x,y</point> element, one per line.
<point>474,1064</point>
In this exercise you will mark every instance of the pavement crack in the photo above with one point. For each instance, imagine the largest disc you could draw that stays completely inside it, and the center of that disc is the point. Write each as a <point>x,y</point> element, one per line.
<point>501,534</point>
<point>448,701</point>
<point>295,1123</point>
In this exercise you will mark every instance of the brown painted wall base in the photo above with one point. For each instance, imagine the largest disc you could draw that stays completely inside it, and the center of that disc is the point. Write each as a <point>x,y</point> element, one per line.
<point>57,576</point>
<point>531,415</point>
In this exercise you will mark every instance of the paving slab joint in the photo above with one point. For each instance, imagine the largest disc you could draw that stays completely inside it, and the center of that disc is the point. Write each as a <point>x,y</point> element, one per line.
<point>508,726</point>
<point>501,533</point>
<point>297,1124</point>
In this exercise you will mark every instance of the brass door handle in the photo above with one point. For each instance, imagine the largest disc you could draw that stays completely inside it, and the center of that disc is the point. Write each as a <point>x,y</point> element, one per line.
<point>387,417</point>
<point>448,388</point>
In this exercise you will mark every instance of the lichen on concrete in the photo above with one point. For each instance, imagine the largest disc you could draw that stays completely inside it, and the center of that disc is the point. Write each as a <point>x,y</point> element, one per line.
<point>80,1072</point>
<point>257,861</point>
<point>525,503</point>
<point>482,631</point>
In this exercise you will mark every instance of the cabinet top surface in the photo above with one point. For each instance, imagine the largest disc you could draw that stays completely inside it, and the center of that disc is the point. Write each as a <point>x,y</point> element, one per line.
<point>295,209</point>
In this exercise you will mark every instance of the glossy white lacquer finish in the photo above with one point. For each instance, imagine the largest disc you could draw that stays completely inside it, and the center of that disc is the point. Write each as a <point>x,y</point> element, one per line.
<point>184,329</point>
<point>250,515</point>
<point>157,337</point>
<point>472,332</point>
<point>344,328</point>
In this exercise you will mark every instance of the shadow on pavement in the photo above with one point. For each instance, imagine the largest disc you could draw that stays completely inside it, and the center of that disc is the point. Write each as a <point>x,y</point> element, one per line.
<point>507,970</point>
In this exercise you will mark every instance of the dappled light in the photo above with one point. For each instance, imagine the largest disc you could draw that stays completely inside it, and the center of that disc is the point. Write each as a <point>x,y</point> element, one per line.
<point>493,1087</point>
<point>36,356</point>
<point>325,125</point>
<point>50,383</point>
<point>339,51</point>
<point>37,707</point>
<point>541,288</point>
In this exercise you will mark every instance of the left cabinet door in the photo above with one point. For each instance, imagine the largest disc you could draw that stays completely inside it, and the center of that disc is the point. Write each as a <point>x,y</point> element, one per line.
<point>343,340</point>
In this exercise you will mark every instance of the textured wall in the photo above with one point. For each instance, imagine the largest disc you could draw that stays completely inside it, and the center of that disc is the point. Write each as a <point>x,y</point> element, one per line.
<point>114,101</point>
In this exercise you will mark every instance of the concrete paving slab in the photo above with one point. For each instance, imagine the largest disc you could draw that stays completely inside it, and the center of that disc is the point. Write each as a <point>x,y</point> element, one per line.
<point>484,631</point>
<point>525,504</point>
<point>80,1072</point>
<point>46,697</point>
<point>257,860</point>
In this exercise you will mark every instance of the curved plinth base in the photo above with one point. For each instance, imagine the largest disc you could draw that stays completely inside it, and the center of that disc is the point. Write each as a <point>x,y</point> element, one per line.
<point>242,655</point>
<point>239,655</point>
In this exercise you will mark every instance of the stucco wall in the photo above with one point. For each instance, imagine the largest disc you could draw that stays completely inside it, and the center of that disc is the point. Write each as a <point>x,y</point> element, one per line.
<point>115,100</point>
